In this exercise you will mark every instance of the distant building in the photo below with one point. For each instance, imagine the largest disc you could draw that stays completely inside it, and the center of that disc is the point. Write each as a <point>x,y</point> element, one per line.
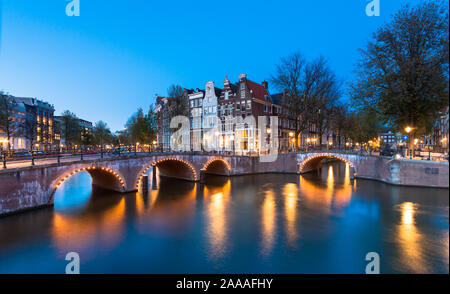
<point>87,128</point>
<point>226,112</point>
<point>210,119</point>
<point>286,126</point>
<point>164,132</point>
<point>196,119</point>
<point>388,137</point>
<point>33,125</point>
<point>441,131</point>
<point>237,103</point>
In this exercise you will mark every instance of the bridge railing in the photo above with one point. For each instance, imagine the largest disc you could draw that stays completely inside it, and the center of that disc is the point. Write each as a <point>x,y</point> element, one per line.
<point>35,158</point>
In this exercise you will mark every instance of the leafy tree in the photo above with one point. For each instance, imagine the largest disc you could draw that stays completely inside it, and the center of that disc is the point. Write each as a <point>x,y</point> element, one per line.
<point>70,128</point>
<point>137,127</point>
<point>102,134</point>
<point>363,126</point>
<point>403,71</point>
<point>152,120</point>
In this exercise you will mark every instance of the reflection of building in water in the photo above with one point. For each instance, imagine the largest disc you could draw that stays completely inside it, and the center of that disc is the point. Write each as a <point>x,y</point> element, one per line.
<point>410,240</point>
<point>268,222</point>
<point>217,200</point>
<point>290,196</point>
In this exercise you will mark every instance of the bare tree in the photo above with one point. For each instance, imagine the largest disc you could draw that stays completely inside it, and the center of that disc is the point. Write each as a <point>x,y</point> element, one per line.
<point>8,124</point>
<point>322,90</point>
<point>289,78</point>
<point>30,126</point>
<point>178,101</point>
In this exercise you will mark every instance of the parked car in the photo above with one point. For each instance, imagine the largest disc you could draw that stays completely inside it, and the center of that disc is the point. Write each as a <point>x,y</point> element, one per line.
<point>21,154</point>
<point>122,150</point>
<point>388,151</point>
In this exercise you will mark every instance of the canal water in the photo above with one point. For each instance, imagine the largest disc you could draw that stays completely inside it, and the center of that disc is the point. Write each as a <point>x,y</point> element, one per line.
<point>272,223</point>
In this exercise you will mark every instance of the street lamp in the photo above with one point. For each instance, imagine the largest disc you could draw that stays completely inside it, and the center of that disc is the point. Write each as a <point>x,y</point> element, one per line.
<point>291,134</point>
<point>408,130</point>
<point>269,131</point>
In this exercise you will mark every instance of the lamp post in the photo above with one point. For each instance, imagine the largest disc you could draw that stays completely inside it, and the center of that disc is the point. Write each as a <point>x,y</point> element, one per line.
<point>291,135</point>
<point>410,145</point>
<point>232,142</point>
<point>269,131</point>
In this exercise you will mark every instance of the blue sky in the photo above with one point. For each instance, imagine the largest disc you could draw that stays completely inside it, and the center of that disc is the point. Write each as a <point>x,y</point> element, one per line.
<point>118,54</point>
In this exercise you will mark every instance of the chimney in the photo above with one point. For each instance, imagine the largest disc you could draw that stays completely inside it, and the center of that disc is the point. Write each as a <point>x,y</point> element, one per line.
<point>265,84</point>
<point>242,77</point>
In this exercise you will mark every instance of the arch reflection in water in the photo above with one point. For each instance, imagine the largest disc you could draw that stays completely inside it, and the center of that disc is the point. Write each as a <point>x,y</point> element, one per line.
<point>98,224</point>
<point>169,210</point>
<point>333,191</point>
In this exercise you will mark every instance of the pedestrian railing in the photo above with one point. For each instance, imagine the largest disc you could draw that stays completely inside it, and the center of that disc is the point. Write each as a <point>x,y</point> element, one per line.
<point>60,157</point>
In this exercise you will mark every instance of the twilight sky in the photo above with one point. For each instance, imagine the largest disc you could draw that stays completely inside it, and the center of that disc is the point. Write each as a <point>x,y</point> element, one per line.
<point>118,54</point>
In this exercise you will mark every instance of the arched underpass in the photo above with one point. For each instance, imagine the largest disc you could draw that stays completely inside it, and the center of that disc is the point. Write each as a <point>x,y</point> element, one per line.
<point>314,163</point>
<point>217,166</point>
<point>170,168</point>
<point>102,177</point>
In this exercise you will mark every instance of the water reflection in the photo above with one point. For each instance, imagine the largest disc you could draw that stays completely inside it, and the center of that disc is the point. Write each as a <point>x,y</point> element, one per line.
<point>315,223</point>
<point>104,228</point>
<point>268,222</point>
<point>410,239</point>
<point>329,194</point>
<point>290,193</point>
<point>216,200</point>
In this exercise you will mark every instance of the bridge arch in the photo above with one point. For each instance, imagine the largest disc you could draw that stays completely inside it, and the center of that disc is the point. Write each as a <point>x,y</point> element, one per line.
<point>171,167</point>
<point>103,177</point>
<point>313,162</point>
<point>217,166</point>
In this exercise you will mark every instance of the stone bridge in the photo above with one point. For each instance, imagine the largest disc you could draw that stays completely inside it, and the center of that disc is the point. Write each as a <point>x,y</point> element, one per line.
<point>34,186</point>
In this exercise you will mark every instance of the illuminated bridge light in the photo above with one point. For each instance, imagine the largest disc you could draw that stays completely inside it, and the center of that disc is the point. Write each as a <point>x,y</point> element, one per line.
<point>324,155</point>
<point>113,173</point>
<point>217,159</point>
<point>141,175</point>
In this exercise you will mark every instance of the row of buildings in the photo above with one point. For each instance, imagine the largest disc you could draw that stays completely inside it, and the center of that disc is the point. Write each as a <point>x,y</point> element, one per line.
<point>217,118</point>
<point>35,127</point>
<point>221,119</point>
